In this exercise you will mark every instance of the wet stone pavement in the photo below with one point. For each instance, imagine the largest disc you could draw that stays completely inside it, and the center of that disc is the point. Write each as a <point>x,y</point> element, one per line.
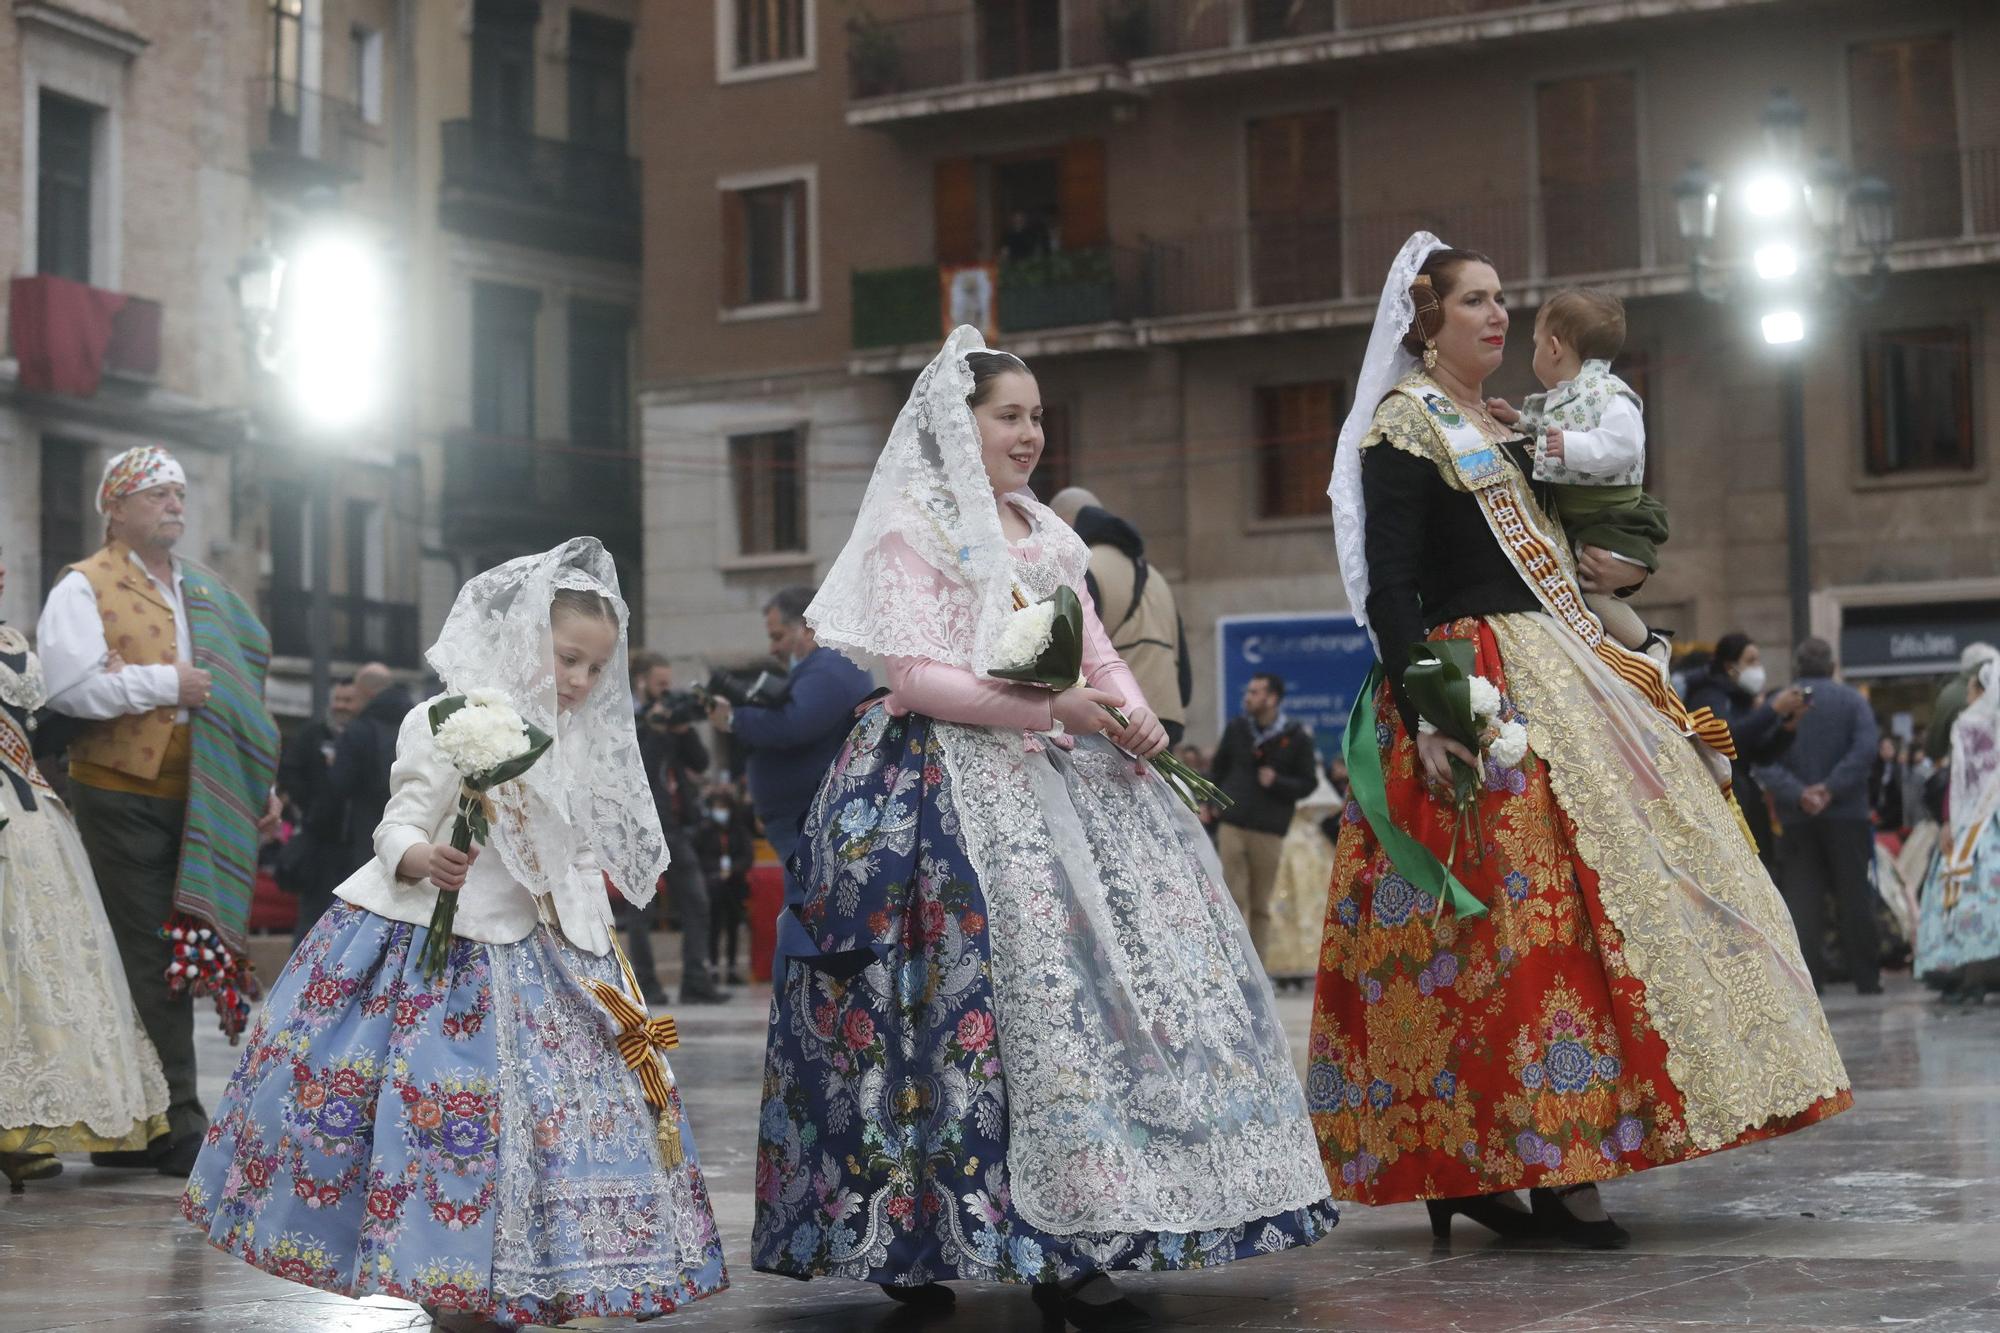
<point>1885,1217</point>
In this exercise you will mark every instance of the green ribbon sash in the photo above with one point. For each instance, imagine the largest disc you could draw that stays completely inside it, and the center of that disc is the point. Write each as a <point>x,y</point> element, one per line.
<point>1412,860</point>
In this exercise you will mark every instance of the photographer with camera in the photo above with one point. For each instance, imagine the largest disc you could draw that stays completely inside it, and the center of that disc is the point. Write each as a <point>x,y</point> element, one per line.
<point>792,734</point>
<point>674,757</point>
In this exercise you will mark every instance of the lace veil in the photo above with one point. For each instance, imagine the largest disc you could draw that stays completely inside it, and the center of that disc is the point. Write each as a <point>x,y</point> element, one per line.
<point>588,797</point>
<point>1387,364</point>
<point>926,572</point>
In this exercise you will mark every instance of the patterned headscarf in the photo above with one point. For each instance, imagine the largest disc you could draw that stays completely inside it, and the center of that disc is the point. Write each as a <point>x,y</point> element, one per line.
<point>137,470</point>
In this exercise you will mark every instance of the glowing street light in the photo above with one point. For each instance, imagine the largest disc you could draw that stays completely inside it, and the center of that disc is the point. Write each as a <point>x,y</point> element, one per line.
<point>1784,326</point>
<point>1769,194</point>
<point>332,320</point>
<point>1776,261</point>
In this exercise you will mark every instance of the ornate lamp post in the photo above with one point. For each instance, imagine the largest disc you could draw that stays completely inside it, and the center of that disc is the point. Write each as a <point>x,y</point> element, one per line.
<point>1791,222</point>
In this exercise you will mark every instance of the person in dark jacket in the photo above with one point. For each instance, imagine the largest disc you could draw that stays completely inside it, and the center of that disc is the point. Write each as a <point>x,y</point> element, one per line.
<point>793,743</point>
<point>1266,764</point>
<point>301,867</point>
<point>1820,786</point>
<point>1732,687</point>
<point>343,820</point>
<point>674,758</point>
<point>727,846</point>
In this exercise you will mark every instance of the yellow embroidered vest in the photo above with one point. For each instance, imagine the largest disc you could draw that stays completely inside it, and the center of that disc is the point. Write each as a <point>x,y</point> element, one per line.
<point>140,752</point>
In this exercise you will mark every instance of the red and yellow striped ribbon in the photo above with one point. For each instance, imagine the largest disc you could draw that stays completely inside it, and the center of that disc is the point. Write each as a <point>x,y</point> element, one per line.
<point>638,1038</point>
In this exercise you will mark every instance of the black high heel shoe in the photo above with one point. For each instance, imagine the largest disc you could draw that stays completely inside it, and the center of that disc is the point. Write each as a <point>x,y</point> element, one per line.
<point>1485,1209</point>
<point>22,1167</point>
<point>929,1296</point>
<point>1059,1304</point>
<point>1558,1221</point>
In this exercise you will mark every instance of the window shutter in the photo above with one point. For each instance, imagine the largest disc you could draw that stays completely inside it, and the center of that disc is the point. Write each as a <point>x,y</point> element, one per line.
<point>1904,111</point>
<point>801,206</point>
<point>735,285</point>
<point>1085,224</point>
<point>1294,207</point>
<point>957,211</point>
<point>1587,139</point>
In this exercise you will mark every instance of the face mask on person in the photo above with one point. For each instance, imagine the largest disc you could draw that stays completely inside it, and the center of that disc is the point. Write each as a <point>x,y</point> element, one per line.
<point>1752,678</point>
<point>720,814</point>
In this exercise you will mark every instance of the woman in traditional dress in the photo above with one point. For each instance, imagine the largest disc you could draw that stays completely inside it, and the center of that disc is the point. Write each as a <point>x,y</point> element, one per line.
<point>1602,977</point>
<point>1298,895</point>
<point>500,1142</point>
<point>1958,921</point>
<point>1033,1043</point>
<point>76,1071</point>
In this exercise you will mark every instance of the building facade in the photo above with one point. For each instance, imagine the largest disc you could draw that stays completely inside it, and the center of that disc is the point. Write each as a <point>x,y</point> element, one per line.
<point>476,150</point>
<point>1183,209</point>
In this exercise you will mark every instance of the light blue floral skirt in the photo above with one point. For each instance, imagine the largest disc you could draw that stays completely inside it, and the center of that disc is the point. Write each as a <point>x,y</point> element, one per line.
<point>472,1143</point>
<point>1950,939</point>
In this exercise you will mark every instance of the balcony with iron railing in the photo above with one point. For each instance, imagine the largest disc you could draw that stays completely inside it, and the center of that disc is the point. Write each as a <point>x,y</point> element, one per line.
<point>998,53</point>
<point>363,630</point>
<point>301,138</point>
<point>500,487</point>
<point>1270,274</point>
<point>505,185</point>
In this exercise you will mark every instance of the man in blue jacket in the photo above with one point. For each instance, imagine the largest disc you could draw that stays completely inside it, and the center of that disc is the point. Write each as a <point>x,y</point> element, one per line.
<point>792,744</point>
<point>1820,786</point>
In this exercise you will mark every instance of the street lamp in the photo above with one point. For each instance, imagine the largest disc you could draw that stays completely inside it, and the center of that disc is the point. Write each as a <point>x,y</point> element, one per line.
<point>1793,227</point>
<point>313,321</point>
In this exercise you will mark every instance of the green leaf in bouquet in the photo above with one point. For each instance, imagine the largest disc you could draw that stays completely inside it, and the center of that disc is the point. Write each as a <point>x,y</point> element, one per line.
<point>1438,683</point>
<point>1062,661</point>
<point>443,709</point>
<point>538,744</point>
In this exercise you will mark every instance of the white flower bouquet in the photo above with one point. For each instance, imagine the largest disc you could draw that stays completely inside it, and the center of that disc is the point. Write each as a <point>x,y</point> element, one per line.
<point>1453,702</point>
<point>1042,644</point>
<point>487,743</point>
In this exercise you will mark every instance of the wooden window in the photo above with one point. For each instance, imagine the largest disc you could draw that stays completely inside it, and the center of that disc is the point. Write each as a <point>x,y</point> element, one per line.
<point>767,472</point>
<point>1053,472</point>
<point>1085,222</point>
<point>599,376</point>
<point>65,531</point>
<point>1917,391</point>
<point>1297,425</point>
<point>598,48</point>
<point>1294,205</point>
<point>287,24</point>
<point>769,32</point>
<point>503,359</point>
<point>955,205</point>
<point>62,225</point>
<point>1019,37</point>
<point>1905,122</point>
<point>1587,135</point>
<point>503,66</point>
<point>766,245</point>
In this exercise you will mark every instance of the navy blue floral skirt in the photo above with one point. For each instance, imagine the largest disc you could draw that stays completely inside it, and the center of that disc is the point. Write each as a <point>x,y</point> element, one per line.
<point>882,1145</point>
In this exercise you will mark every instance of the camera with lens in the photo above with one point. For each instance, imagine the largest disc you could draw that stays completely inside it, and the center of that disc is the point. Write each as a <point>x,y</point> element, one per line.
<point>676,708</point>
<point>756,689</point>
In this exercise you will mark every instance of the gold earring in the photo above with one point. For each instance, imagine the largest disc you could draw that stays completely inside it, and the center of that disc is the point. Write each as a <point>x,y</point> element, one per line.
<point>1430,354</point>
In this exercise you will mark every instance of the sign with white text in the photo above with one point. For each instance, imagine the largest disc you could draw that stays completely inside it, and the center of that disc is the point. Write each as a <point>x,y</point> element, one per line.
<point>1322,658</point>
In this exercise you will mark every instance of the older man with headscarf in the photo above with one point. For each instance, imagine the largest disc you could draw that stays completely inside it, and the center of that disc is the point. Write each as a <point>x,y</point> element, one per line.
<point>170,775</point>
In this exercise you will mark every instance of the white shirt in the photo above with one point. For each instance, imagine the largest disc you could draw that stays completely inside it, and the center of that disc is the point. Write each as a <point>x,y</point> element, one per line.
<point>493,906</point>
<point>70,639</point>
<point>1612,455</point>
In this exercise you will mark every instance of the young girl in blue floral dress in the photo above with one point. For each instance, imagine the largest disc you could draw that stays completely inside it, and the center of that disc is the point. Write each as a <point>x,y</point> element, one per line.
<point>476,1142</point>
<point>1029,1040</point>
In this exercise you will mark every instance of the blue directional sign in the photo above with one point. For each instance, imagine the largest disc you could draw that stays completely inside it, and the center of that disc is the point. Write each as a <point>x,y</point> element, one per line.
<point>1322,657</point>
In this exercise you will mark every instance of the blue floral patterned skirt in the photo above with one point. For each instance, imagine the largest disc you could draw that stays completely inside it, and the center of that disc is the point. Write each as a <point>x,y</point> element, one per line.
<point>883,1141</point>
<point>1966,932</point>
<point>473,1143</point>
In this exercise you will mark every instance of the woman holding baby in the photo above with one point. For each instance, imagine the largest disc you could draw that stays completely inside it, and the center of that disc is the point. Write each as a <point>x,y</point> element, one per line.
<point>1573,967</point>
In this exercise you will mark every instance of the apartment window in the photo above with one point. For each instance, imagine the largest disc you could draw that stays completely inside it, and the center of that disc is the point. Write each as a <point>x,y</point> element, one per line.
<point>768,32</point>
<point>1297,425</point>
<point>64,533</point>
<point>767,245</point>
<point>503,65</point>
<point>1905,123</point>
<point>62,218</point>
<point>1019,37</point>
<point>598,51</point>
<point>1294,207</point>
<point>1587,139</point>
<point>1053,472</point>
<point>503,359</point>
<point>599,376</point>
<point>364,63</point>
<point>287,29</point>
<point>1917,398</point>
<point>365,538</point>
<point>1275,20</point>
<point>766,472</point>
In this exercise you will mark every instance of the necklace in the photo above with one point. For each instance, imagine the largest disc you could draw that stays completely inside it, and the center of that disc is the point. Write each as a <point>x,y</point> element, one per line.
<point>23,689</point>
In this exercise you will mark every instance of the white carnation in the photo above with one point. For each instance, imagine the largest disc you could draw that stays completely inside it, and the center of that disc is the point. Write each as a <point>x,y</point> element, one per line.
<point>488,699</point>
<point>1025,636</point>
<point>482,735</point>
<point>1510,747</point>
<point>1485,698</point>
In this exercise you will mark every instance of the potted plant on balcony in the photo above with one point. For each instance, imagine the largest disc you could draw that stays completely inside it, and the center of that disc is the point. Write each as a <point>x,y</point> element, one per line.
<point>1128,29</point>
<point>1058,290</point>
<point>875,57</point>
